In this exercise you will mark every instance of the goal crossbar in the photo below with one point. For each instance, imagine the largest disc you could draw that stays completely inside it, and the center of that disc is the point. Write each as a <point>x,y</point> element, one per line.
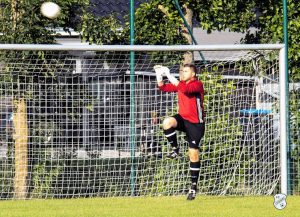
<point>56,47</point>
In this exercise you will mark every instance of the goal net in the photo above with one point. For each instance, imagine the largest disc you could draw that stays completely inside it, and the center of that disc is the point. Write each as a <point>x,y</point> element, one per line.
<point>75,124</point>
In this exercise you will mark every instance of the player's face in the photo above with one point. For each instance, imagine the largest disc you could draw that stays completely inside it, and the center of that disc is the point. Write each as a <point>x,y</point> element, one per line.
<point>187,74</point>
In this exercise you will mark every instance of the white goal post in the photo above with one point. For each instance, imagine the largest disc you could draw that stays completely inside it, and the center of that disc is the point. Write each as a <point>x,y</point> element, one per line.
<point>29,70</point>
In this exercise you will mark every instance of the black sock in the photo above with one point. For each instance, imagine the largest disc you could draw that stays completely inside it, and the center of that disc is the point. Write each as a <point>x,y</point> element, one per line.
<point>195,169</point>
<point>172,138</point>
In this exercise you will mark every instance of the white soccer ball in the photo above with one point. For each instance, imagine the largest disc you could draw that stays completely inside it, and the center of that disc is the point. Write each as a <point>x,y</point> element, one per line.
<point>50,10</point>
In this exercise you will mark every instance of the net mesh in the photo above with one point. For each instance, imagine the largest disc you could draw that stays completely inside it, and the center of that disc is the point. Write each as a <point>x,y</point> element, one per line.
<point>65,125</point>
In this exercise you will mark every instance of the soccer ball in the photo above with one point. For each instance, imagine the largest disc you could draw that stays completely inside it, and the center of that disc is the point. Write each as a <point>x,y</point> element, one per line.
<point>50,10</point>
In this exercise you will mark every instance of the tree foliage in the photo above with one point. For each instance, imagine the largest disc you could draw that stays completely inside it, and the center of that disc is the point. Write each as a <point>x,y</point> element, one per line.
<point>270,29</point>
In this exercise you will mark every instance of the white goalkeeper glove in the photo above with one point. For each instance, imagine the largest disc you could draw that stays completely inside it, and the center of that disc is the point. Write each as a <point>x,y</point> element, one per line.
<point>166,72</point>
<point>159,72</point>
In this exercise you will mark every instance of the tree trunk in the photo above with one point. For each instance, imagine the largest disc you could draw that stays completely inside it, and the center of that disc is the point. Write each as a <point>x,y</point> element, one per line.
<point>14,11</point>
<point>188,56</point>
<point>21,148</point>
<point>20,124</point>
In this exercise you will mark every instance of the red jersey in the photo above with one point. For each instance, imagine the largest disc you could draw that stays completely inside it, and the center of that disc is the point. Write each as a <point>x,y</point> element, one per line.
<point>190,99</point>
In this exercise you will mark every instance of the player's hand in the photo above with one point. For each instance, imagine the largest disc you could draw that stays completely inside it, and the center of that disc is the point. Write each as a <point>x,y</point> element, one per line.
<point>166,71</point>
<point>159,72</point>
<point>157,68</point>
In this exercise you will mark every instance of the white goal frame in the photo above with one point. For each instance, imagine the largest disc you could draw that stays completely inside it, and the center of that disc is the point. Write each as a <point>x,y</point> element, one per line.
<point>283,83</point>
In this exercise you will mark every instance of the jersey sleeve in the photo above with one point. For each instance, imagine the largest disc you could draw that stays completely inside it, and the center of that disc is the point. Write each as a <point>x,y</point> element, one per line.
<point>193,87</point>
<point>168,88</point>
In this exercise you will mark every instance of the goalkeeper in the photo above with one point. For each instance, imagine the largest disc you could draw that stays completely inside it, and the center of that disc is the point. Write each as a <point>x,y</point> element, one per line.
<point>190,118</point>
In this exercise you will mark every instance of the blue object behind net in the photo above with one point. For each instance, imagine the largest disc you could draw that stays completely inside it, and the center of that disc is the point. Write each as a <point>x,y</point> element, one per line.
<point>255,112</point>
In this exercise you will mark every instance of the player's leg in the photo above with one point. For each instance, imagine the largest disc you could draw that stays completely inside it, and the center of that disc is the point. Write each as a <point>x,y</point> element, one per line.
<point>194,171</point>
<point>170,125</point>
<point>195,132</point>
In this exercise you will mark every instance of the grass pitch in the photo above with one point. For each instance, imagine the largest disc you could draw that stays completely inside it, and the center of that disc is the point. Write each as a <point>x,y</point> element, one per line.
<point>151,206</point>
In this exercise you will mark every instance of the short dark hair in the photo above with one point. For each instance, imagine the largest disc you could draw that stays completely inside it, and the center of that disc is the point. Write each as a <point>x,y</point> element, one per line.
<point>192,66</point>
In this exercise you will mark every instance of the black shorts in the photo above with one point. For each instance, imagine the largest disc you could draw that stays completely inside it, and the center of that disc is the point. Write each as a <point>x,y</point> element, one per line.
<point>194,132</point>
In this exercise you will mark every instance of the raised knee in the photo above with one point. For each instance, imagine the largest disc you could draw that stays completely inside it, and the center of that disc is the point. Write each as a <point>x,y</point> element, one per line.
<point>167,123</point>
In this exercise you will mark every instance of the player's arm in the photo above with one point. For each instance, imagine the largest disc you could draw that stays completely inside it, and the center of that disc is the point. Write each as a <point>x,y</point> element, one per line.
<point>166,71</point>
<point>194,87</point>
<point>168,87</point>
<point>159,70</point>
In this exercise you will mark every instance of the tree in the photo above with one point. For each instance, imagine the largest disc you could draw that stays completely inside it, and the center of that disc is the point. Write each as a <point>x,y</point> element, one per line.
<point>269,29</point>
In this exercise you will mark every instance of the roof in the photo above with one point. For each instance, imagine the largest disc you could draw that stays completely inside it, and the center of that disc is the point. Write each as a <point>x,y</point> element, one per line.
<point>203,38</point>
<point>219,37</point>
<point>121,8</point>
<point>108,7</point>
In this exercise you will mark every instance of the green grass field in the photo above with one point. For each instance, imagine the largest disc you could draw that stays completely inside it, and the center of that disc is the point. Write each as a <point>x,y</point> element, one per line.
<point>151,206</point>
